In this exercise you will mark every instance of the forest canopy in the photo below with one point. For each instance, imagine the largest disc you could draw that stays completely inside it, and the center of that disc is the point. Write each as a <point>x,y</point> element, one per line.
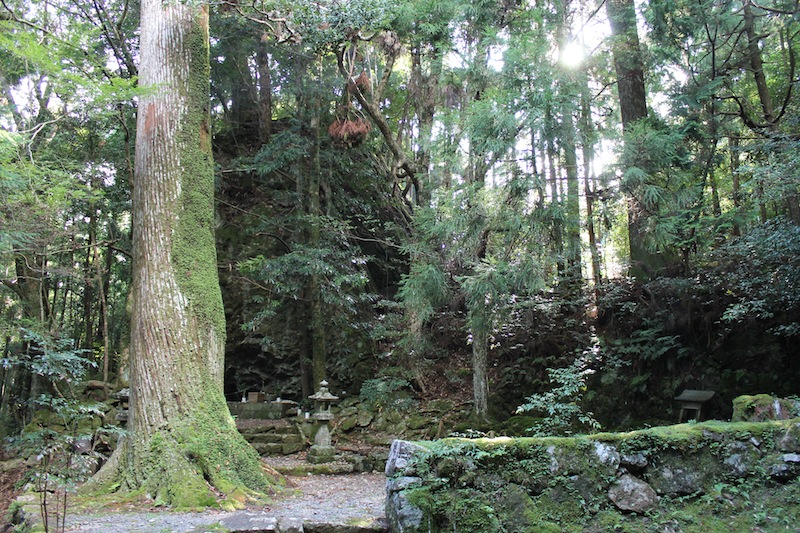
<point>496,200</point>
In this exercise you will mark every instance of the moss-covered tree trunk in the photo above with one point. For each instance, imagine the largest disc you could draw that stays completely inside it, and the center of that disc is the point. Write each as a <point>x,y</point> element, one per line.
<point>183,441</point>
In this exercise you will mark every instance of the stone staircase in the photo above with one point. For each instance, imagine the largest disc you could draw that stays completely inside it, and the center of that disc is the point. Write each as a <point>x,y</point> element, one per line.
<point>273,437</point>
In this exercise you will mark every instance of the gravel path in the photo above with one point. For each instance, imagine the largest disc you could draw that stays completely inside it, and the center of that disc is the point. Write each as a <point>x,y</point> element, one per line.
<point>354,499</point>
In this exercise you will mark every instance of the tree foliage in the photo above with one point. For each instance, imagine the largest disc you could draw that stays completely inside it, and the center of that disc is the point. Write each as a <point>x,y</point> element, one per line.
<point>396,180</point>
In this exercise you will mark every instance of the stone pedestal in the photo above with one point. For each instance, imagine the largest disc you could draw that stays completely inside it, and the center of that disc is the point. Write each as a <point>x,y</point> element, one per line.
<point>321,454</point>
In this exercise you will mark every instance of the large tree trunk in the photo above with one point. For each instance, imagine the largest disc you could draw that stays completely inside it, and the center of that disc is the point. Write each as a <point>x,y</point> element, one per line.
<point>627,61</point>
<point>573,220</point>
<point>182,439</point>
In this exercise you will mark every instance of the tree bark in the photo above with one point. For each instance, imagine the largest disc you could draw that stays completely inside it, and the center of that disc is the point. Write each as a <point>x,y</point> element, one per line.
<point>264,94</point>
<point>627,61</point>
<point>633,107</point>
<point>573,220</point>
<point>736,190</point>
<point>480,379</point>
<point>182,439</point>
<point>756,64</point>
<point>587,142</point>
<point>317,324</point>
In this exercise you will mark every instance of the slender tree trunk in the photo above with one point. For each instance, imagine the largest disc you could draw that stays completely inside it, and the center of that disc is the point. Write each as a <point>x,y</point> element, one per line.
<point>88,286</point>
<point>6,425</point>
<point>480,351</point>
<point>554,191</point>
<point>736,189</point>
<point>573,212</point>
<point>182,438</point>
<point>539,181</point>
<point>633,107</point>
<point>756,63</point>
<point>103,318</point>
<point>264,95</point>
<point>587,143</point>
<point>317,325</point>
<point>425,88</point>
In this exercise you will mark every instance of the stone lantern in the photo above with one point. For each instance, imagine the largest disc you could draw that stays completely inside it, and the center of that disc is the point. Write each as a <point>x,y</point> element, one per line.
<point>322,451</point>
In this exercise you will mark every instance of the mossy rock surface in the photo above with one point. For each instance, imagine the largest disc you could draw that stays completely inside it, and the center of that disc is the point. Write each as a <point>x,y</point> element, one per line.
<point>563,484</point>
<point>763,407</point>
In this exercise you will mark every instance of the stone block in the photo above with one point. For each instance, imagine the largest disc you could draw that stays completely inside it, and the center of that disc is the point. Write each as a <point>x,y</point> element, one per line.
<point>290,524</point>
<point>630,493</point>
<point>268,448</point>
<point>264,438</point>
<point>288,448</point>
<point>251,522</point>
<point>321,454</point>
<point>790,441</point>
<point>400,453</point>
<point>347,423</point>
<point>403,517</point>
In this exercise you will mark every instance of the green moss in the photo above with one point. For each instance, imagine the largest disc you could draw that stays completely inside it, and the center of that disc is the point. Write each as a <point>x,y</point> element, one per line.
<point>179,466</point>
<point>532,484</point>
<point>194,246</point>
<point>560,503</point>
<point>762,407</point>
<point>221,453</point>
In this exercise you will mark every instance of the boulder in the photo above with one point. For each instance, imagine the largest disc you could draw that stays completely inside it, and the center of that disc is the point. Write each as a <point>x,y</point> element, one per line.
<point>790,441</point>
<point>676,481</point>
<point>762,407</point>
<point>400,454</point>
<point>401,514</point>
<point>633,460</point>
<point>607,454</point>
<point>630,493</point>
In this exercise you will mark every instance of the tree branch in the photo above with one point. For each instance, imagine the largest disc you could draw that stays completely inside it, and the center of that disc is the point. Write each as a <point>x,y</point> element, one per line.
<point>401,161</point>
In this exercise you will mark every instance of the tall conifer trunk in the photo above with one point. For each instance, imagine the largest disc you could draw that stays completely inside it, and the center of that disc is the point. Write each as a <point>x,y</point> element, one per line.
<point>182,439</point>
<point>633,107</point>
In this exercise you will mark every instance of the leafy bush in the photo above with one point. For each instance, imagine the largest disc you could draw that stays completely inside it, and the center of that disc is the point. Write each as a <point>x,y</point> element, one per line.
<point>387,393</point>
<point>561,406</point>
<point>760,275</point>
<point>63,435</point>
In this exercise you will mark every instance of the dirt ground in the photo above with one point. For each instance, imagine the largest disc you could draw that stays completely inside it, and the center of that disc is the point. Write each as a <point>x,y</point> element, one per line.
<point>345,499</point>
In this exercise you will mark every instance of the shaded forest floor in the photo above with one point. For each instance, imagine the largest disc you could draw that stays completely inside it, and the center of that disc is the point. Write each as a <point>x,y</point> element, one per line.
<point>11,473</point>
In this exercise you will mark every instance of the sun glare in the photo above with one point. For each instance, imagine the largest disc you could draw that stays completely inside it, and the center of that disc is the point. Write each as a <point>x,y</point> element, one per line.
<point>571,54</point>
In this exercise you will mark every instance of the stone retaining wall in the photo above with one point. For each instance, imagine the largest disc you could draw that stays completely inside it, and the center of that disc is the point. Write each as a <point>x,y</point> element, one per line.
<point>735,476</point>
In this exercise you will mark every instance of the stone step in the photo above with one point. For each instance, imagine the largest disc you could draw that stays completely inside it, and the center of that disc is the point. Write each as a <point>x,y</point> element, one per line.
<point>280,438</point>
<point>278,448</point>
<point>292,438</point>
<point>259,522</point>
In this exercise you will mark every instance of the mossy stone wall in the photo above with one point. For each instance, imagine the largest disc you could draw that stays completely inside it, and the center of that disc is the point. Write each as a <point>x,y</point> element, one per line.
<point>689,477</point>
